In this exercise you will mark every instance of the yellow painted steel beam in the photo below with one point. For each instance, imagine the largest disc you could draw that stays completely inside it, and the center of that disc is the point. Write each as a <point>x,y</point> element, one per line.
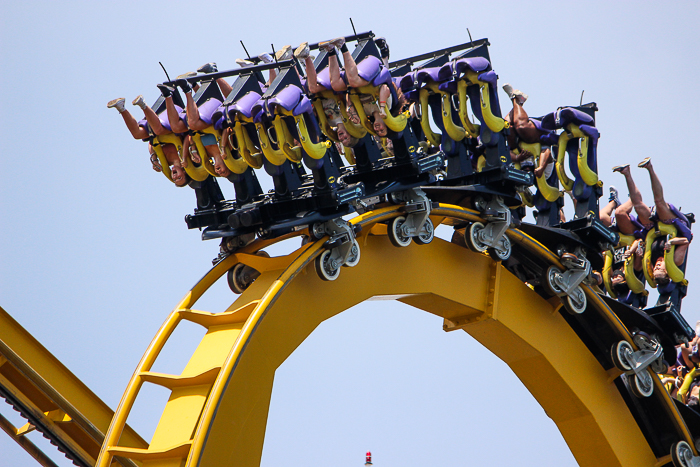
<point>218,408</point>
<point>60,405</point>
<point>26,444</point>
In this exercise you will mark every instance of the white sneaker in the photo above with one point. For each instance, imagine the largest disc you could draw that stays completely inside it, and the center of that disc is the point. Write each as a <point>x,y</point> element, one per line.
<point>285,53</point>
<point>338,42</point>
<point>265,58</point>
<point>118,103</point>
<point>139,102</point>
<point>515,93</point>
<point>244,63</point>
<point>302,52</point>
<point>189,74</point>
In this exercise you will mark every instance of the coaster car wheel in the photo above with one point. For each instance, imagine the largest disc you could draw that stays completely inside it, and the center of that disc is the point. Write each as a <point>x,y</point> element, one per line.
<point>548,282</point>
<point>354,257</point>
<point>641,384</point>
<point>396,235</point>
<point>326,267</point>
<point>240,277</point>
<point>621,353</point>
<point>576,302</point>
<point>681,454</point>
<point>471,237</point>
<point>427,233</point>
<point>502,251</point>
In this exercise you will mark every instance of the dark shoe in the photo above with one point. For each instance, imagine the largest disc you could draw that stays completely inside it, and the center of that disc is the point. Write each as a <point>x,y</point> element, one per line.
<point>208,68</point>
<point>620,168</point>
<point>184,85</point>
<point>166,90</point>
<point>383,46</point>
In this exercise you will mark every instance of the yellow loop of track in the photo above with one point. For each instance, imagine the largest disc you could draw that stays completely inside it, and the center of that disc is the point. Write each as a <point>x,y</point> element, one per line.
<point>217,413</point>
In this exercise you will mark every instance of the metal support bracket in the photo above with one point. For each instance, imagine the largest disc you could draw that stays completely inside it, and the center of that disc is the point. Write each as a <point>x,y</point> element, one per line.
<point>499,219</point>
<point>417,210</point>
<point>341,243</point>
<point>577,270</point>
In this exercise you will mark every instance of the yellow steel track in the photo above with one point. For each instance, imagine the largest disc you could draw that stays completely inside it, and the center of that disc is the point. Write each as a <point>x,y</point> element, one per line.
<point>217,412</point>
<point>55,401</point>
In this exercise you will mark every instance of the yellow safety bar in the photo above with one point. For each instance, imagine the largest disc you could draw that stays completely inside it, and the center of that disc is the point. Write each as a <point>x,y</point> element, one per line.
<point>494,123</point>
<point>364,119</point>
<point>625,240</point>
<point>285,140</point>
<point>349,155</point>
<point>313,150</point>
<point>673,271</point>
<point>564,179</point>
<point>397,123</point>
<point>156,144</point>
<point>246,148</point>
<point>235,164</point>
<point>587,175</point>
<point>685,387</point>
<point>432,137</point>
<point>455,132</point>
<point>323,120</point>
<point>355,130</point>
<point>274,156</point>
<point>633,283</point>
<point>472,129</point>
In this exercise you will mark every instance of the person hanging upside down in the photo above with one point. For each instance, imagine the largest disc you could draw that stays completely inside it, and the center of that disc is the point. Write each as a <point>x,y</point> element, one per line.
<point>330,106</point>
<point>354,80</point>
<point>140,129</point>
<point>665,213</point>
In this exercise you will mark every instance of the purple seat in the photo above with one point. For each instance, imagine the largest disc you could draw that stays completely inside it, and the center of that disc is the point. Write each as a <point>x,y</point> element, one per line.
<point>448,86</point>
<point>287,98</point>
<point>244,105</point>
<point>458,67</point>
<point>206,110</point>
<point>407,80</point>
<point>305,106</point>
<point>489,77</point>
<point>548,138</point>
<point>426,74</point>
<point>562,117</point>
<point>383,77</point>
<point>369,68</point>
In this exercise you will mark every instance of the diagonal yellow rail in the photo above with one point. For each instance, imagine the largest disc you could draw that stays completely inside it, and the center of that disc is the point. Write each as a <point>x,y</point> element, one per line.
<point>52,398</point>
<point>218,408</point>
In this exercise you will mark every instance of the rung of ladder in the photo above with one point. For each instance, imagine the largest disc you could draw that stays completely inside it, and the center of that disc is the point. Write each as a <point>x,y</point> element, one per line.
<point>207,319</point>
<point>179,451</point>
<point>175,381</point>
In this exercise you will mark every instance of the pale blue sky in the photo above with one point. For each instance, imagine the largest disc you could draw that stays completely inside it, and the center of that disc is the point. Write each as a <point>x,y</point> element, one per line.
<point>95,252</point>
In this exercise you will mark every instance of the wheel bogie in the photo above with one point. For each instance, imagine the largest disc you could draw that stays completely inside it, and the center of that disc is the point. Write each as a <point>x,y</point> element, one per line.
<point>354,257</point>
<point>641,384</point>
<point>681,454</point>
<point>427,233</point>
<point>325,267</point>
<point>471,236</point>
<point>548,281</point>
<point>395,232</point>
<point>576,302</point>
<point>502,252</point>
<point>240,277</point>
<point>620,354</point>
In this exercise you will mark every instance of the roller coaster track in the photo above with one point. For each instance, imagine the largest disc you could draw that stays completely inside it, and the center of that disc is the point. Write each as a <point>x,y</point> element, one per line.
<point>53,400</point>
<point>217,411</point>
